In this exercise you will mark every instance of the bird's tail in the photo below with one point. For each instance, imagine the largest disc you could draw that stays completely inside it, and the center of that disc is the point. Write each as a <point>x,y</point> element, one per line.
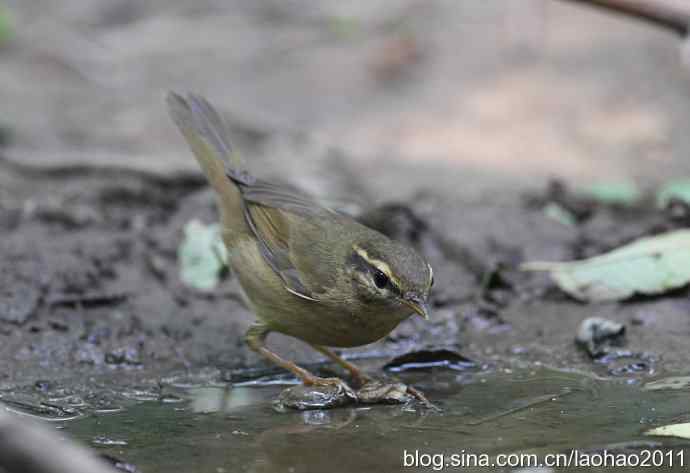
<point>206,134</point>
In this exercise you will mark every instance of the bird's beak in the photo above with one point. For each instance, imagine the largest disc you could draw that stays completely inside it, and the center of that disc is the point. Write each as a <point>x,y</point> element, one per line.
<point>420,307</point>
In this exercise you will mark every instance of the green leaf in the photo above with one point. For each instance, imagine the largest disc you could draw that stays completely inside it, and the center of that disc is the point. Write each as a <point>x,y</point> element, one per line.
<point>614,193</point>
<point>673,430</point>
<point>678,189</point>
<point>201,255</point>
<point>647,266</point>
<point>559,214</point>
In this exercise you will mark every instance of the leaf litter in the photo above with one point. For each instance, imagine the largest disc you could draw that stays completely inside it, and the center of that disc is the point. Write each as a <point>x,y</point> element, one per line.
<point>647,266</point>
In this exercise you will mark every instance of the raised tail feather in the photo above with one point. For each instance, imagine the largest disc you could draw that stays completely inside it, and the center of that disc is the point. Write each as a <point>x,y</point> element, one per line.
<point>206,134</point>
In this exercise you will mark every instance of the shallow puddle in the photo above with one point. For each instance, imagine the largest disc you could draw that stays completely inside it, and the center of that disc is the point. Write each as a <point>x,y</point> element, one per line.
<point>215,429</point>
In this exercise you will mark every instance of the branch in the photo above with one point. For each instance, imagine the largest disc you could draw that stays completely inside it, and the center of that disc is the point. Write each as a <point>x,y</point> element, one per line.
<point>670,14</point>
<point>26,447</point>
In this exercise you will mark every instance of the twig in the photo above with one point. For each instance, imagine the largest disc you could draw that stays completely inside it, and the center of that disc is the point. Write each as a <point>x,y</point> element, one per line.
<point>88,300</point>
<point>78,170</point>
<point>26,447</point>
<point>531,403</point>
<point>669,14</point>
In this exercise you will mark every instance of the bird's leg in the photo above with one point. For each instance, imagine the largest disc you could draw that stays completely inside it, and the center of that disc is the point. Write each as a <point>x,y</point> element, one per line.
<point>360,378</point>
<point>256,339</point>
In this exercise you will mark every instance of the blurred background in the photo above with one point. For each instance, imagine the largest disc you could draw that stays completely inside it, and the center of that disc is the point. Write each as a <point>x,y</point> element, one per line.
<point>455,113</point>
<point>464,96</point>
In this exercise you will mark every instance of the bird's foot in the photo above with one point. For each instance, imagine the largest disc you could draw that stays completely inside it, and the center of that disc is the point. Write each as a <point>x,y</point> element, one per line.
<point>340,385</point>
<point>419,396</point>
<point>327,393</point>
<point>360,379</point>
<point>316,393</point>
<point>380,392</point>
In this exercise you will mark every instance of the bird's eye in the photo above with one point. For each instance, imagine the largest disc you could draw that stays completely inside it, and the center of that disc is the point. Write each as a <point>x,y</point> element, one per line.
<point>380,279</point>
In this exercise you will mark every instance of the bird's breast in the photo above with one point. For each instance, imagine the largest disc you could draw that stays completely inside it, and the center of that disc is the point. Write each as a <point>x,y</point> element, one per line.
<point>336,326</point>
<point>330,322</point>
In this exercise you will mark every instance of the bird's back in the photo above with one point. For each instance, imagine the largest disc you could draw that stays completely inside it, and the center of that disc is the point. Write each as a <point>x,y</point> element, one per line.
<point>287,250</point>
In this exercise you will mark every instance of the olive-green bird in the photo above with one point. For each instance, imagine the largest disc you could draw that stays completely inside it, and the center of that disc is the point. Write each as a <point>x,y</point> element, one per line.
<point>308,271</point>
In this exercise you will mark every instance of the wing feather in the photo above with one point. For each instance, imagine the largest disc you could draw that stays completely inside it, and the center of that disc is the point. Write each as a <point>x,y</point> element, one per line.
<point>267,213</point>
<point>282,197</point>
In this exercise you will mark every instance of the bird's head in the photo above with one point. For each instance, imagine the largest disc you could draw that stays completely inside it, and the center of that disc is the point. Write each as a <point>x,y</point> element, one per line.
<point>391,274</point>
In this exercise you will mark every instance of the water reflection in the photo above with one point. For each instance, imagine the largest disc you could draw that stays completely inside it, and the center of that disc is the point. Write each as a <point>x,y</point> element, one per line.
<point>542,411</point>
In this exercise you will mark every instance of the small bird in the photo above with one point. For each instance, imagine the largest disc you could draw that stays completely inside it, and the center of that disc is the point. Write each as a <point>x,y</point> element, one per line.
<point>308,271</point>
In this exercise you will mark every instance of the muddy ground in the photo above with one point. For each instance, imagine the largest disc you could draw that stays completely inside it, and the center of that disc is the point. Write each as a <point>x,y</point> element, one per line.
<point>453,117</point>
<point>91,282</point>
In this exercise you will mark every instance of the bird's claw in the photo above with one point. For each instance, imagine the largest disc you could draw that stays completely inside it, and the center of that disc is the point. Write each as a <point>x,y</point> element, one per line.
<point>316,393</point>
<point>419,396</point>
<point>341,385</point>
<point>324,393</point>
<point>375,392</point>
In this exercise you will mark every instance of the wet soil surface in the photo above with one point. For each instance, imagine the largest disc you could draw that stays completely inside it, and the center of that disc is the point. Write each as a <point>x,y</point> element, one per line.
<point>90,281</point>
<point>535,412</point>
<point>94,319</point>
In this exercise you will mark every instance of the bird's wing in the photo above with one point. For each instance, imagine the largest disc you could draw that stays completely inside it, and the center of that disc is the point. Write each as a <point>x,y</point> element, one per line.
<point>274,214</point>
<point>282,197</point>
